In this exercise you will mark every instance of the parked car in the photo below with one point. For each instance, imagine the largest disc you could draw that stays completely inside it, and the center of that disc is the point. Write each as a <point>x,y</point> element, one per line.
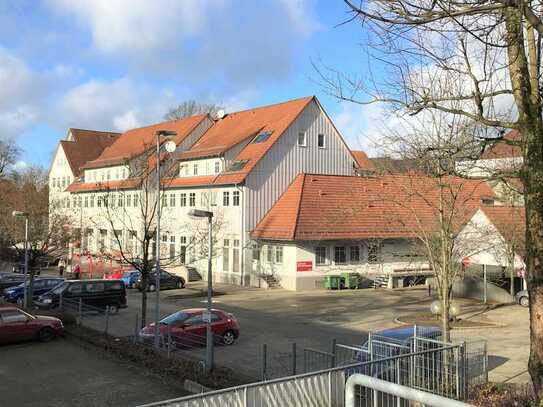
<point>187,326</point>
<point>167,280</point>
<point>96,293</point>
<point>522,298</point>
<point>11,280</point>
<point>17,325</point>
<point>130,278</point>
<point>41,286</point>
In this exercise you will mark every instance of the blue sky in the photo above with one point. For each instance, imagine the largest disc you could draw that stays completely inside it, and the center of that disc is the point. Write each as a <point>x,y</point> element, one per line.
<point>118,64</point>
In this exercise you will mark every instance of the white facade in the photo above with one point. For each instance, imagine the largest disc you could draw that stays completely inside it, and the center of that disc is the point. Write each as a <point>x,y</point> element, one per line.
<point>60,177</point>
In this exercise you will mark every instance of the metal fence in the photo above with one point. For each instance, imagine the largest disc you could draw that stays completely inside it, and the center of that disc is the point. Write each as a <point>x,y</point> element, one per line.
<point>435,371</point>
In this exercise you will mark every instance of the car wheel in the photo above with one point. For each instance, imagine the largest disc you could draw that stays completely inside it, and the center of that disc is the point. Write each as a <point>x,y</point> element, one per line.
<point>20,302</point>
<point>524,301</point>
<point>151,287</point>
<point>228,337</point>
<point>133,285</point>
<point>113,309</point>
<point>46,334</point>
<point>180,284</point>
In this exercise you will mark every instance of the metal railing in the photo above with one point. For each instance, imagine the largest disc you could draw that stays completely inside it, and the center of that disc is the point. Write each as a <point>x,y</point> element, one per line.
<point>326,388</point>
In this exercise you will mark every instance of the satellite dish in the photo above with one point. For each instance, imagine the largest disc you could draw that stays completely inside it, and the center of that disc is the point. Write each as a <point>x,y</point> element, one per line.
<point>170,146</point>
<point>220,114</point>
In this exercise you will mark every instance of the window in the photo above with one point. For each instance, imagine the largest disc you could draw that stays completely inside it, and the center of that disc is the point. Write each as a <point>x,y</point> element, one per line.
<point>235,198</point>
<point>113,200</point>
<point>164,200</point>
<point>108,175</point>
<point>321,141</point>
<point>204,199</point>
<point>120,201</point>
<point>80,202</point>
<point>102,240</point>
<point>235,256</point>
<point>117,173</point>
<point>301,139</point>
<point>99,202</point>
<point>183,250</point>
<point>74,202</point>
<point>279,254</point>
<point>340,255</point>
<point>195,169</point>
<point>226,198</point>
<point>92,201</point>
<point>172,248</point>
<point>86,201</point>
<point>226,255</point>
<point>128,200</point>
<point>75,289</point>
<point>269,254</point>
<point>192,199</point>
<point>354,254</point>
<point>256,252</point>
<point>237,165</point>
<point>67,202</point>
<point>94,287</point>
<point>183,200</point>
<point>172,200</point>
<point>262,137</point>
<point>217,167</point>
<point>320,255</point>
<point>12,316</point>
<point>136,200</point>
<point>374,253</point>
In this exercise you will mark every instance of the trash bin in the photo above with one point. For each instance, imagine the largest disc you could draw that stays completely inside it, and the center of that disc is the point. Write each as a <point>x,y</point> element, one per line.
<point>350,280</point>
<point>332,282</point>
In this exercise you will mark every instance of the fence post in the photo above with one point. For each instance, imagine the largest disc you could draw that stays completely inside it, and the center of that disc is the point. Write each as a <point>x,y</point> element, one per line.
<point>107,320</point>
<point>264,360</point>
<point>370,350</point>
<point>464,370</point>
<point>294,359</point>
<point>80,310</point>
<point>330,389</point>
<point>333,352</point>
<point>457,372</point>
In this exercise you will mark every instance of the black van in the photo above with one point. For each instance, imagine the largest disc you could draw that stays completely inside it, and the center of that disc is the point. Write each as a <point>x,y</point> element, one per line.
<point>97,293</point>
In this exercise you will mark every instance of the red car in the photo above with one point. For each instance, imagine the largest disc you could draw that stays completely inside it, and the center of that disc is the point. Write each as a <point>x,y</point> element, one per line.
<point>187,327</point>
<point>16,326</point>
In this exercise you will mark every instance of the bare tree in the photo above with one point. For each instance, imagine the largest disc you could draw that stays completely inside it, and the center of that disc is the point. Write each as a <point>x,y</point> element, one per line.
<point>190,108</point>
<point>8,155</point>
<point>478,59</point>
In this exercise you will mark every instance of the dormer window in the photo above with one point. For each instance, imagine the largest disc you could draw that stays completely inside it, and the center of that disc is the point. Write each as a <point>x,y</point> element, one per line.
<point>262,137</point>
<point>237,165</point>
<point>195,169</point>
<point>217,167</point>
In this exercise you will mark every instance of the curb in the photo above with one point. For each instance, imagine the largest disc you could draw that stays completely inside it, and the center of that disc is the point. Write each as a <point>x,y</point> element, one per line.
<point>463,328</point>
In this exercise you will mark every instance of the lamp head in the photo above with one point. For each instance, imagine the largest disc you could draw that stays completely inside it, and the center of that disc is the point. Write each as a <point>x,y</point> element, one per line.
<point>19,214</point>
<point>198,213</point>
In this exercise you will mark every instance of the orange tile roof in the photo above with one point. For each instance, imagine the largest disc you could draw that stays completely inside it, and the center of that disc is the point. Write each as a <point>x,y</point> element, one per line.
<point>136,141</point>
<point>86,146</point>
<point>242,126</point>
<point>511,224</point>
<point>503,149</point>
<point>102,185</point>
<point>362,160</point>
<point>327,207</point>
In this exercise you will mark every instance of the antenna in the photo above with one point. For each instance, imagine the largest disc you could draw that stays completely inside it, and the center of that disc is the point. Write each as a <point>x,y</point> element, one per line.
<point>220,114</point>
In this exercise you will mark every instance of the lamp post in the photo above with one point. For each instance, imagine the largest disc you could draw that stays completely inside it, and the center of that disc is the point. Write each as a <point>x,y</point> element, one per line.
<point>170,148</point>
<point>197,213</point>
<point>20,214</point>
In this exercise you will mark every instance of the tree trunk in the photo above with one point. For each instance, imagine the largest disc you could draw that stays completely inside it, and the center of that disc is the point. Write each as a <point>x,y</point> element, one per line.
<point>532,175</point>
<point>144,282</point>
<point>445,313</point>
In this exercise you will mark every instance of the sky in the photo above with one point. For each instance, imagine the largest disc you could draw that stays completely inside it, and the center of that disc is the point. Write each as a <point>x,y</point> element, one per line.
<point>120,64</point>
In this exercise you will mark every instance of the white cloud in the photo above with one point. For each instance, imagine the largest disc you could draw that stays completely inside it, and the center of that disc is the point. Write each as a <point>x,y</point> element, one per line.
<point>300,15</point>
<point>126,121</point>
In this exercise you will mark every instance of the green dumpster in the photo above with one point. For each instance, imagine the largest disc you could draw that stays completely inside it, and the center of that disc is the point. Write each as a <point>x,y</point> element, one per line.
<point>332,282</point>
<point>350,280</point>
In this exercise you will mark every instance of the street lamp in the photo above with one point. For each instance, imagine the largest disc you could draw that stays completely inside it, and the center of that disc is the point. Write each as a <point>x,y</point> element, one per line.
<point>170,147</point>
<point>197,213</point>
<point>20,214</point>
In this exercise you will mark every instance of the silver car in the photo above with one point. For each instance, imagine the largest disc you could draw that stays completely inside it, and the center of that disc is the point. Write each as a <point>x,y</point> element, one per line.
<point>522,298</point>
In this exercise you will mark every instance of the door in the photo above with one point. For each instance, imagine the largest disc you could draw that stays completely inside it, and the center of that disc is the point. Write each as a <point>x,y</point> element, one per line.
<point>218,324</point>
<point>194,332</point>
<point>166,280</point>
<point>15,326</point>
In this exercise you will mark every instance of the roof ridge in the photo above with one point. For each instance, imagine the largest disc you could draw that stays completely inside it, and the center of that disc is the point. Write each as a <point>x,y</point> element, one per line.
<point>299,204</point>
<point>95,131</point>
<point>167,121</point>
<point>273,104</point>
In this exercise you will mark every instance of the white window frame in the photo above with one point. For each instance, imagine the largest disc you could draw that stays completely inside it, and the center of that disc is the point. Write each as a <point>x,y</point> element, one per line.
<point>325,262</point>
<point>323,140</point>
<point>304,144</point>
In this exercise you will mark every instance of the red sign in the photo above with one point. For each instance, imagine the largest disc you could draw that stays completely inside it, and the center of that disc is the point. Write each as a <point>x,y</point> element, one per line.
<point>466,261</point>
<point>304,266</point>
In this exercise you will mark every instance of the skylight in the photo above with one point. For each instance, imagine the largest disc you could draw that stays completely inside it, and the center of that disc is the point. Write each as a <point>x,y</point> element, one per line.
<point>262,137</point>
<point>237,165</point>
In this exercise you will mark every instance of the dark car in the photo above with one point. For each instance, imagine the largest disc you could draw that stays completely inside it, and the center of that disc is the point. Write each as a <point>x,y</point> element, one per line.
<point>130,278</point>
<point>167,281</point>
<point>522,298</point>
<point>11,280</point>
<point>189,328</point>
<point>17,325</point>
<point>41,286</point>
<point>101,294</point>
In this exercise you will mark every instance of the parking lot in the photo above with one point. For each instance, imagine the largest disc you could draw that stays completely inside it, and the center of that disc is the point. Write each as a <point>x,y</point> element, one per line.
<point>313,319</point>
<point>63,373</point>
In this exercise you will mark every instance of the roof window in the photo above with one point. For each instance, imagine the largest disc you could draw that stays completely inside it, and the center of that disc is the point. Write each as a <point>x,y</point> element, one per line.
<point>237,165</point>
<point>262,137</point>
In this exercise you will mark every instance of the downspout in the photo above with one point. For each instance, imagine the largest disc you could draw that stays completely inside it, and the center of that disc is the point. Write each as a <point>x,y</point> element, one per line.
<point>404,392</point>
<point>242,234</point>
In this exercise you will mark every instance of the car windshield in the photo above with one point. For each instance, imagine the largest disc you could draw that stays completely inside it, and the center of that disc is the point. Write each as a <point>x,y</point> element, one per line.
<point>175,318</point>
<point>59,288</point>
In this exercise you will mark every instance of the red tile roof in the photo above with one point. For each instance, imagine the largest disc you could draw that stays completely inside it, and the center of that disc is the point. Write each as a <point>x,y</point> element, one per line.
<point>102,185</point>
<point>507,148</point>
<point>511,224</point>
<point>327,207</point>
<point>363,161</point>
<point>136,141</point>
<point>86,146</point>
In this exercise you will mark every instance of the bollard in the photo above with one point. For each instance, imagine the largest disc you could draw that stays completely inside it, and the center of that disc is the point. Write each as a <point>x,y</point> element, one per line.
<point>294,359</point>
<point>333,353</point>
<point>80,310</point>
<point>264,360</point>
<point>107,320</point>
